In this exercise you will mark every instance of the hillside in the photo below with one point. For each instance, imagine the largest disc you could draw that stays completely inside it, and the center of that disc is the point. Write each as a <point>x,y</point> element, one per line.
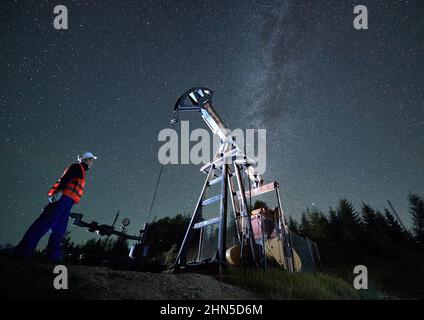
<point>33,280</point>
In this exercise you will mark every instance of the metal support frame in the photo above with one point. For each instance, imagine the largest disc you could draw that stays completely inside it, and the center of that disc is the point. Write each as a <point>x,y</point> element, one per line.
<point>225,175</point>
<point>247,237</point>
<point>182,254</point>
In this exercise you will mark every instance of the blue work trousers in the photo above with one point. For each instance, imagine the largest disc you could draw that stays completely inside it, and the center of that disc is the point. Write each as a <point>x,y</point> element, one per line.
<point>54,218</point>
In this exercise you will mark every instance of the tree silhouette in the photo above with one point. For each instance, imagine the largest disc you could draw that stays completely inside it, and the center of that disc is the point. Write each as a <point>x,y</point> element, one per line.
<point>375,228</point>
<point>259,204</point>
<point>394,229</point>
<point>318,225</point>
<point>119,249</point>
<point>293,225</point>
<point>304,224</point>
<point>165,232</point>
<point>70,250</point>
<point>349,220</point>
<point>334,227</point>
<point>416,208</point>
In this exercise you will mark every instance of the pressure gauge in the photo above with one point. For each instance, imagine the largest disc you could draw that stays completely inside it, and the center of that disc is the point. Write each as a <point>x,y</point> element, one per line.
<point>125,222</point>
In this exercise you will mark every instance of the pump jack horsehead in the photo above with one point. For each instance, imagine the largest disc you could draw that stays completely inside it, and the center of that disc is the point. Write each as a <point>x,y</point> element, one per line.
<point>254,249</point>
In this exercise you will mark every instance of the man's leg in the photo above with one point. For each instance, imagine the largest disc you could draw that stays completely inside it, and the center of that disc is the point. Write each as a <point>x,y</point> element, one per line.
<point>54,252</point>
<point>37,230</point>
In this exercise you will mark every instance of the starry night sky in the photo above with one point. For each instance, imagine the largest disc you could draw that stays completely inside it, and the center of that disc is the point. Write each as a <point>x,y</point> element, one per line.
<point>343,109</point>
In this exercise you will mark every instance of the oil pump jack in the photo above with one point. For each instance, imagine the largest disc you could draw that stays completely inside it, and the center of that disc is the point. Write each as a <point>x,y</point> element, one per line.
<point>228,167</point>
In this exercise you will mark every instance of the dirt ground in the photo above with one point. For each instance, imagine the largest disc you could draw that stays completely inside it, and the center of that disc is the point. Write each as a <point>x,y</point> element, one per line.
<point>29,279</point>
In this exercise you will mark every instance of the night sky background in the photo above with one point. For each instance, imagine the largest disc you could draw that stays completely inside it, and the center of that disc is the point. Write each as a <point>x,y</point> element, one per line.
<point>343,109</point>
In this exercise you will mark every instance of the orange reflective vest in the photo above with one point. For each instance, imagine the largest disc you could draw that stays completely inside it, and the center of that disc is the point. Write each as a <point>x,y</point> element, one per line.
<point>73,189</point>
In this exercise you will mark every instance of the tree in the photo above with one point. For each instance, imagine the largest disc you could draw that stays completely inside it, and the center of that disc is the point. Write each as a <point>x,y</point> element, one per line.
<point>69,249</point>
<point>293,225</point>
<point>165,232</point>
<point>416,208</point>
<point>318,225</point>
<point>259,204</point>
<point>119,249</point>
<point>369,216</point>
<point>304,228</point>
<point>350,222</point>
<point>92,251</point>
<point>334,227</point>
<point>394,229</point>
<point>375,228</point>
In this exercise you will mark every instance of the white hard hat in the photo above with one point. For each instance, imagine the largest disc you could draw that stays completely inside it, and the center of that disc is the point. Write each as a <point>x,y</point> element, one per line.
<point>86,155</point>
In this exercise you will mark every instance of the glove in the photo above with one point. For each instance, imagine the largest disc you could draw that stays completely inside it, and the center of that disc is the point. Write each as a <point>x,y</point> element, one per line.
<point>55,197</point>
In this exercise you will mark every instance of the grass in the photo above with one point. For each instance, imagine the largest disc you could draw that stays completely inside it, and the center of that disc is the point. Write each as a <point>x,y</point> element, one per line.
<point>279,284</point>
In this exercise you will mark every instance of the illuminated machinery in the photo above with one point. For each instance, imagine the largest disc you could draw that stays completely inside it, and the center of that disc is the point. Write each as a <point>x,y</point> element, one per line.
<point>261,235</point>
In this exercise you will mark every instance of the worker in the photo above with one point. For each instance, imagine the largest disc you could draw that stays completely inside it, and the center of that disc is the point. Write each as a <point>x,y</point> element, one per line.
<point>66,192</point>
